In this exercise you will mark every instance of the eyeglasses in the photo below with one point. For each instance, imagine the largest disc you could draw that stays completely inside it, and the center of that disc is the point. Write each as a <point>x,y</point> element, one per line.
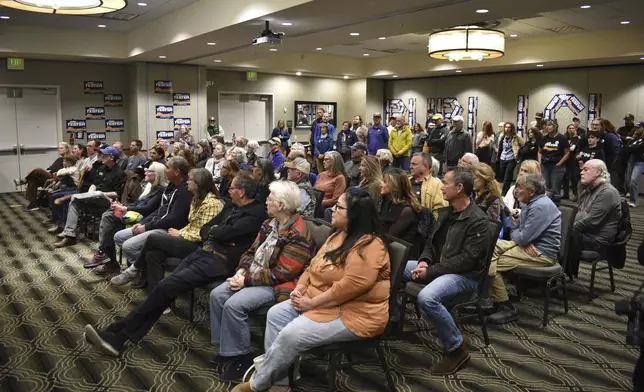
<point>338,207</point>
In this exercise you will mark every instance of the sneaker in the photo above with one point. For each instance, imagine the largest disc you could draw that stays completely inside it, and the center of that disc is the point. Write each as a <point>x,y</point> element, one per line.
<point>236,368</point>
<point>505,314</point>
<point>48,221</point>
<point>99,258</point>
<point>61,234</point>
<point>33,206</point>
<point>104,341</point>
<point>55,229</point>
<point>19,181</point>
<point>451,362</point>
<point>124,277</point>
<point>632,205</point>
<point>168,310</point>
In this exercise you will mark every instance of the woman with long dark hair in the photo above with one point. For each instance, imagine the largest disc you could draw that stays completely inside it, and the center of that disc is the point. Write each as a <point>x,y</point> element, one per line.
<point>571,178</point>
<point>264,174</point>
<point>229,170</point>
<point>530,150</point>
<point>202,153</point>
<point>342,296</point>
<point>508,154</point>
<point>553,154</point>
<point>485,143</point>
<point>399,207</point>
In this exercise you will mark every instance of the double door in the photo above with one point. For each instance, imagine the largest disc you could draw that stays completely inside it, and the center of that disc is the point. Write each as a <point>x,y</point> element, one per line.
<point>29,133</point>
<point>245,115</point>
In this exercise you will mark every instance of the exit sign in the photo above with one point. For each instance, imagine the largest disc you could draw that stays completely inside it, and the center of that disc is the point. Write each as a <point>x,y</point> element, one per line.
<point>251,76</point>
<point>15,64</point>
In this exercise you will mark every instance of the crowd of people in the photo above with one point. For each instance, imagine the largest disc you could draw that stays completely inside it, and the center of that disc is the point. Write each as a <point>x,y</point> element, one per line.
<point>232,215</point>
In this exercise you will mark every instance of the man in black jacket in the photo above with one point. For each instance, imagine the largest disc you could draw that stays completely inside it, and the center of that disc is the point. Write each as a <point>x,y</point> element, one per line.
<point>457,143</point>
<point>230,234</point>
<point>436,140</point>
<point>451,264</point>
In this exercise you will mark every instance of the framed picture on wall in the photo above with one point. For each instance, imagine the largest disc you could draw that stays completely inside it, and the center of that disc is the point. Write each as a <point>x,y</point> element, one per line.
<point>305,113</point>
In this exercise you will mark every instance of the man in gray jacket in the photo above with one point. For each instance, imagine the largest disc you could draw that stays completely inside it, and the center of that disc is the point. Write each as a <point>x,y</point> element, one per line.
<point>536,238</point>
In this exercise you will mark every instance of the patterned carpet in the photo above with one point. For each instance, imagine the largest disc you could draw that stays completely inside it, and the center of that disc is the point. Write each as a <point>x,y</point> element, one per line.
<point>46,298</point>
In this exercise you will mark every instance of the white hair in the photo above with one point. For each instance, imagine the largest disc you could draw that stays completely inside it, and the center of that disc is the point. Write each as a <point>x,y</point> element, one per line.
<point>601,166</point>
<point>287,193</point>
<point>502,124</point>
<point>298,147</point>
<point>471,158</point>
<point>436,166</point>
<point>252,145</point>
<point>384,155</point>
<point>240,154</point>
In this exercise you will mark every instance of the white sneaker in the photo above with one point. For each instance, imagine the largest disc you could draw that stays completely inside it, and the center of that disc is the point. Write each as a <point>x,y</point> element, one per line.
<point>166,311</point>
<point>124,277</point>
<point>632,205</point>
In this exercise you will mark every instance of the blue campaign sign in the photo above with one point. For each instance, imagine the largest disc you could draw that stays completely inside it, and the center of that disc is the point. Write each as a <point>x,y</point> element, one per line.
<point>563,100</point>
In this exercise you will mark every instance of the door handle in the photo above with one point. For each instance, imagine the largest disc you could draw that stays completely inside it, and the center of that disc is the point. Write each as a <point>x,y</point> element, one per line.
<point>15,149</point>
<point>22,149</point>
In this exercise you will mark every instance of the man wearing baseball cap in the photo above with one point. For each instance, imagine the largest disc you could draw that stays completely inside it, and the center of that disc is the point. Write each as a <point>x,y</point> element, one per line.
<point>457,143</point>
<point>377,135</point>
<point>275,154</point>
<point>214,129</point>
<point>352,166</point>
<point>436,140</point>
<point>629,127</point>
<point>298,172</point>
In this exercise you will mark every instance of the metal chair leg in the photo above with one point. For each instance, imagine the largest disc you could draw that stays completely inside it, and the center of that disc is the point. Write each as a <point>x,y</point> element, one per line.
<point>483,320</point>
<point>592,281</point>
<point>191,317</point>
<point>332,370</point>
<point>565,293</point>
<point>385,367</point>
<point>546,302</point>
<point>611,277</point>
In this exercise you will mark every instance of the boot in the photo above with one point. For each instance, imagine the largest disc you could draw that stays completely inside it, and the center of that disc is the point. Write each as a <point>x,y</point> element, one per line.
<point>451,362</point>
<point>66,241</point>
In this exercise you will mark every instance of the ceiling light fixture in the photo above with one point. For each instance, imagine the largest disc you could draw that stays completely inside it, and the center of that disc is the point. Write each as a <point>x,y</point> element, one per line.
<point>102,26</point>
<point>217,61</point>
<point>211,43</point>
<point>346,76</point>
<point>625,22</point>
<point>142,4</point>
<point>365,54</point>
<point>466,43</point>
<point>272,50</point>
<point>5,17</point>
<point>458,71</point>
<point>354,34</point>
<point>70,7</point>
<point>482,11</point>
<point>382,38</point>
<point>318,48</point>
<point>287,24</point>
<point>298,73</point>
<point>585,7</point>
<point>162,57</point>
<point>539,65</point>
<point>395,76</point>
<point>514,35</point>
<point>641,58</point>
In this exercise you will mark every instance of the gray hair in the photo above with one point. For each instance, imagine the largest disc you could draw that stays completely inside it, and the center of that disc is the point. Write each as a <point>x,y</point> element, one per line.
<point>337,163</point>
<point>472,159</point>
<point>240,154</point>
<point>601,166</point>
<point>298,147</point>
<point>252,145</point>
<point>181,164</point>
<point>536,182</point>
<point>287,193</point>
<point>436,167</point>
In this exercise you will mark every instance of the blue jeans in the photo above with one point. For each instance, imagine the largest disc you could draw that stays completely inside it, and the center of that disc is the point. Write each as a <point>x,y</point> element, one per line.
<point>229,316</point>
<point>638,170</point>
<point>401,163</point>
<point>431,299</point>
<point>553,175</point>
<point>132,244</point>
<point>289,334</point>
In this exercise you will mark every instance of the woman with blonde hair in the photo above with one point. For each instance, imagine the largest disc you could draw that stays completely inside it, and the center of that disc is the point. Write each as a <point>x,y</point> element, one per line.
<point>371,177</point>
<point>399,207</point>
<point>333,180</point>
<point>487,191</point>
<point>385,158</point>
<point>529,166</point>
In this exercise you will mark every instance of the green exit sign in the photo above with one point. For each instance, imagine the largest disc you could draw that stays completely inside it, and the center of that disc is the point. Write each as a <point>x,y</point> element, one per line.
<point>15,63</point>
<point>251,76</point>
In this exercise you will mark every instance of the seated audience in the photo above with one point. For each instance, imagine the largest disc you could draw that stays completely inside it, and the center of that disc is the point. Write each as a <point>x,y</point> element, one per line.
<point>352,166</point>
<point>535,241</point>
<point>385,158</point>
<point>599,212</point>
<point>298,172</point>
<point>67,177</point>
<point>275,154</point>
<point>487,191</point>
<point>241,142</point>
<point>185,137</point>
<point>204,206</point>
<point>371,177</point>
<point>155,154</point>
<point>294,153</point>
<point>229,170</point>
<point>239,154</point>
<point>425,186</point>
<point>263,173</point>
<point>342,296</point>
<point>251,148</point>
<point>451,264</point>
<point>202,154</point>
<point>399,207</point>
<point>266,274</point>
<point>332,181</point>
<point>510,200</point>
<point>468,160</point>
<point>37,177</point>
<point>188,155</point>
<point>231,233</point>
<point>214,164</point>
<point>136,158</point>
<point>122,159</point>
<point>109,178</point>
<point>116,217</point>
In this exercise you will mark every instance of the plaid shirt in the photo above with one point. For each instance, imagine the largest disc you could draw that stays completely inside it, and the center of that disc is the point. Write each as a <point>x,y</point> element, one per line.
<point>199,215</point>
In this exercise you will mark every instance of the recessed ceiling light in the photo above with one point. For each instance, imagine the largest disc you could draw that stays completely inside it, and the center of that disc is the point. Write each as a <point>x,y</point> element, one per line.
<point>354,34</point>
<point>586,6</point>
<point>142,4</point>
<point>5,17</point>
<point>318,48</point>
<point>366,54</point>
<point>395,76</point>
<point>162,57</point>
<point>514,35</point>
<point>482,11</point>
<point>102,26</point>
<point>641,58</point>
<point>211,43</point>
<point>458,71</point>
<point>382,38</point>
<point>346,76</point>
<point>272,50</point>
<point>287,24</point>
<point>298,73</point>
<point>217,61</point>
<point>625,22</point>
<point>539,65</point>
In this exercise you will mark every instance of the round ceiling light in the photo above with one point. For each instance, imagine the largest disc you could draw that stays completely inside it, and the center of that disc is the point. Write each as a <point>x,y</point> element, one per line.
<point>466,44</point>
<point>68,7</point>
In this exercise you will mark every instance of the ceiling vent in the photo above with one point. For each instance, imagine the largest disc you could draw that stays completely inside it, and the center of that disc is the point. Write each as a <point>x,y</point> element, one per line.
<point>353,44</point>
<point>119,16</point>
<point>565,29</point>
<point>388,51</point>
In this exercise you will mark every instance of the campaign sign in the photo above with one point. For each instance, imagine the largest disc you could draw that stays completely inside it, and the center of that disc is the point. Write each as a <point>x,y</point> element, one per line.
<point>79,135</point>
<point>165,135</point>
<point>114,125</point>
<point>93,87</point>
<point>96,136</point>
<point>181,99</point>
<point>179,121</point>
<point>94,113</point>
<point>75,125</point>
<point>113,100</point>
<point>164,111</point>
<point>162,86</point>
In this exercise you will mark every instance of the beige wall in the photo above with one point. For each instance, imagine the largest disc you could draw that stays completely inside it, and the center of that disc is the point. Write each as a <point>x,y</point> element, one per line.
<point>622,89</point>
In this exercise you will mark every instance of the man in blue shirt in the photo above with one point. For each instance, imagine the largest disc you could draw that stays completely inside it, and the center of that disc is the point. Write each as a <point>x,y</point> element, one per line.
<point>536,238</point>
<point>377,135</point>
<point>275,154</point>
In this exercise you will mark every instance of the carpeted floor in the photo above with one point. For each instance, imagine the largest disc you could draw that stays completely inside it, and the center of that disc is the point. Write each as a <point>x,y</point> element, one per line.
<point>46,298</point>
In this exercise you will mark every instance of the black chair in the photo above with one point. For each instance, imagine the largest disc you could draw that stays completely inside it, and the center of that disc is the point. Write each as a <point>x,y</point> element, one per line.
<point>319,210</point>
<point>613,255</point>
<point>552,277</point>
<point>413,289</point>
<point>398,255</point>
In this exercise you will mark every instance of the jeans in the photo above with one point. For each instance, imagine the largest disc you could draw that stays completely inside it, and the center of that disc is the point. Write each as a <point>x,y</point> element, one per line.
<point>401,163</point>
<point>571,178</point>
<point>196,270</point>
<point>289,334</point>
<point>59,213</point>
<point>431,299</point>
<point>97,200</point>
<point>157,249</point>
<point>110,224</point>
<point>506,174</point>
<point>131,244</point>
<point>229,316</point>
<point>553,175</point>
<point>638,170</point>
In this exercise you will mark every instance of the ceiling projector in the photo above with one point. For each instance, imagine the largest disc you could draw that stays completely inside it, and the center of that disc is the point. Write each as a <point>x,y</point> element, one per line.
<point>268,37</point>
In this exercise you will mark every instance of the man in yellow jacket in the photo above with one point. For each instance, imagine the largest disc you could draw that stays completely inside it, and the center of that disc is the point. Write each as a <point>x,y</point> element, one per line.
<point>427,188</point>
<point>400,144</point>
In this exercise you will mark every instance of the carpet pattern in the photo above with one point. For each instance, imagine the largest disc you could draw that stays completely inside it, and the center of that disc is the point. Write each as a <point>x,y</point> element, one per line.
<point>46,297</point>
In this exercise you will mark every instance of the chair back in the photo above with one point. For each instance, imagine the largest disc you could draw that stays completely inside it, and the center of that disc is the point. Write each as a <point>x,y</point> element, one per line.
<point>568,214</point>
<point>320,231</point>
<point>616,252</point>
<point>398,256</point>
<point>319,210</point>
<point>493,236</point>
